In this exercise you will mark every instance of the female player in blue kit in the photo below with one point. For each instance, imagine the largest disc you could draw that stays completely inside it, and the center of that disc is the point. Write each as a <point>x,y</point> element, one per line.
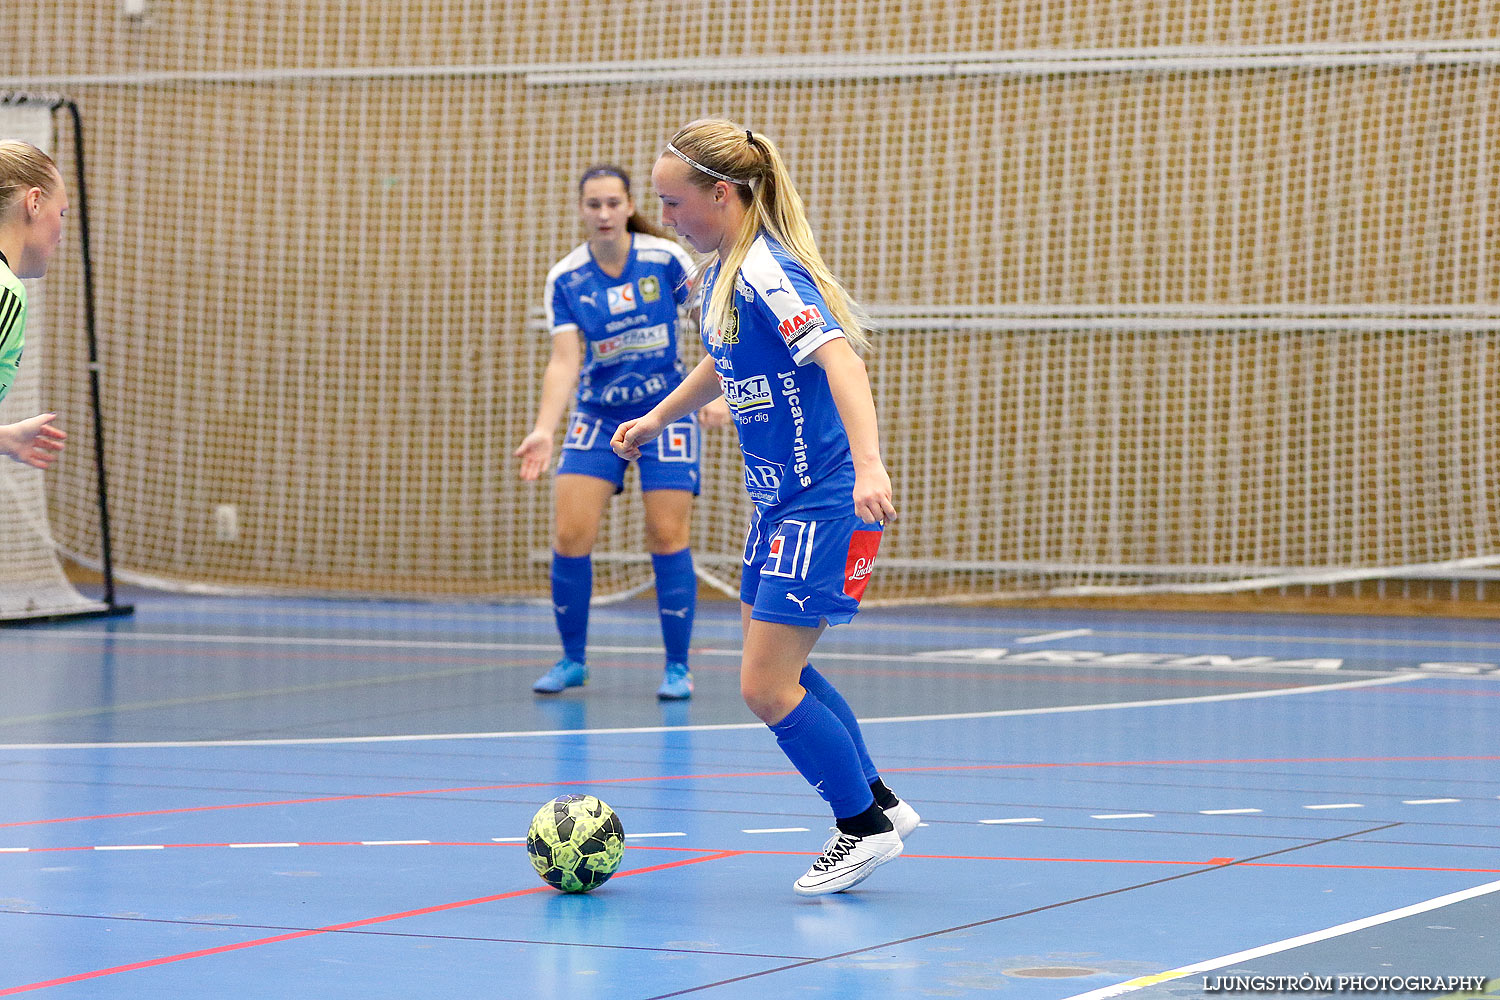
<point>612,310</point>
<point>780,333</point>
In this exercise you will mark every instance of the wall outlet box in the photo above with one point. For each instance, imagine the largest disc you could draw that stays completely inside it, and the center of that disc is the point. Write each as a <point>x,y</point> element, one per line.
<point>226,522</point>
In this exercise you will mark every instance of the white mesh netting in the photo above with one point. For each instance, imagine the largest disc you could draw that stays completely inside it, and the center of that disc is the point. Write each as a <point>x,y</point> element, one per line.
<point>32,581</point>
<point>1178,295</point>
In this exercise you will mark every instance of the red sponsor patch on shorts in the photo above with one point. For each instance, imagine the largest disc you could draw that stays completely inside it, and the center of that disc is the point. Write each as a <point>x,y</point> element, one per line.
<point>857,568</point>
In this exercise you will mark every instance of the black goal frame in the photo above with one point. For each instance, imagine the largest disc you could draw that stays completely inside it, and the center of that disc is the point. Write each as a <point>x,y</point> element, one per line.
<point>112,608</point>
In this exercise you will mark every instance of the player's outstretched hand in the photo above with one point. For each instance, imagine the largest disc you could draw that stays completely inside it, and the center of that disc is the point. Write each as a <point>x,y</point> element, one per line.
<point>34,442</point>
<point>630,435</point>
<point>535,454</point>
<point>872,494</point>
<point>715,414</point>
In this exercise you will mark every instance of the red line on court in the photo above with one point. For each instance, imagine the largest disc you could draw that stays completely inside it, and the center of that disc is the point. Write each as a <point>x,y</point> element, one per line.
<point>394,795</point>
<point>745,774</point>
<point>332,928</point>
<point>1461,692</point>
<point>1180,763</point>
<point>1374,868</point>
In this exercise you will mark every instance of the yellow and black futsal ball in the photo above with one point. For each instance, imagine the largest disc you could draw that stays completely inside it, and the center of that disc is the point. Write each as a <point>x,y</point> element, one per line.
<point>575,842</point>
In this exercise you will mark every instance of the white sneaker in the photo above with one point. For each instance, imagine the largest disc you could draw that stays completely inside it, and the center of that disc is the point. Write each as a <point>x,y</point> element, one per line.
<point>847,861</point>
<point>903,817</point>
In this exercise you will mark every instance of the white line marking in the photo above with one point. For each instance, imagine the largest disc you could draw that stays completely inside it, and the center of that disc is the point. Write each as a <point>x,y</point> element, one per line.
<point>542,647</point>
<point>396,843</point>
<point>641,730</point>
<point>133,847</point>
<point>1337,805</point>
<point>779,829</point>
<point>509,840</point>
<point>1049,636</point>
<point>1426,802</point>
<point>1226,812</point>
<point>1122,815</point>
<point>14,850</point>
<point>1288,944</point>
<point>1023,819</point>
<point>265,845</point>
<point>643,836</point>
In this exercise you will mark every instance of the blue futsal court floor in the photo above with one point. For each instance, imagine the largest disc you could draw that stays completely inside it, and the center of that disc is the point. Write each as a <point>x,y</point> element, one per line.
<point>299,799</point>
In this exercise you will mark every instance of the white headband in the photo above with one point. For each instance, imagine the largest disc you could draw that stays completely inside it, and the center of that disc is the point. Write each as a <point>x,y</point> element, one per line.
<point>698,166</point>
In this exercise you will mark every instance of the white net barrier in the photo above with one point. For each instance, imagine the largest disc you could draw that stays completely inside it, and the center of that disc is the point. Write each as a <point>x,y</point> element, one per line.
<point>32,581</point>
<point>1183,296</point>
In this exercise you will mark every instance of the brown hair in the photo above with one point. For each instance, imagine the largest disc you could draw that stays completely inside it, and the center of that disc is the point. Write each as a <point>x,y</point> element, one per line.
<point>23,167</point>
<point>754,167</point>
<point>635,223</point>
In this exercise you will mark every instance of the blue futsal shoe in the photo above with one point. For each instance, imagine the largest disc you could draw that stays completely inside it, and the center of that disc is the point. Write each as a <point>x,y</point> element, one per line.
<point>677,684</point>
<point>565,673</point>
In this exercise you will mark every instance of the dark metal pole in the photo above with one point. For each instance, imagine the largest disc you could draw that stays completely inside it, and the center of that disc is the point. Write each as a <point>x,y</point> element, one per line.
<point>93,342</point>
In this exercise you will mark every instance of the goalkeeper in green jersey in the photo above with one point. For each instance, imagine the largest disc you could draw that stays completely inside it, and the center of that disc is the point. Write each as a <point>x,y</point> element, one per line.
<point>32,205</point>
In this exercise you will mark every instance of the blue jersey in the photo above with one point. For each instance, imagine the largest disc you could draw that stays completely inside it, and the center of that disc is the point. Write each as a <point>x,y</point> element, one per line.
<point>796,450</point>
<point>628,324</point>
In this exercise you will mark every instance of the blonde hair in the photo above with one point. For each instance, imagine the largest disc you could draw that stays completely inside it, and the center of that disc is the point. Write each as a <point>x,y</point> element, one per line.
<point>720,150</point>
<point>23,167</point>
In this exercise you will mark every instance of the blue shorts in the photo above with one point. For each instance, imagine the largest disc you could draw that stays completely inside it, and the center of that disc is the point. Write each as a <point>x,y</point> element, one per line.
<point>805,572</point>
<point>668,463</point>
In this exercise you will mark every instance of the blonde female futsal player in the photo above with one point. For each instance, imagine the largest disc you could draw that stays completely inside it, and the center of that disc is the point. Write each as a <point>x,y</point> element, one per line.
<point>32,205</point>
<point>612,307</point>
<point>780,331</point>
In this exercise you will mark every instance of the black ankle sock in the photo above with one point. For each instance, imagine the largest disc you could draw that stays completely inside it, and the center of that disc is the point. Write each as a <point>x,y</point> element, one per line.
<point>872,820</point>
<point>884,797</point>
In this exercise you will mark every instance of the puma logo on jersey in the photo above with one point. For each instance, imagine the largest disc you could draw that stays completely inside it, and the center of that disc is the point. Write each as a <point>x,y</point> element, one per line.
<point>592,298</point>
<point>780,287</point>
<point>800,602</point>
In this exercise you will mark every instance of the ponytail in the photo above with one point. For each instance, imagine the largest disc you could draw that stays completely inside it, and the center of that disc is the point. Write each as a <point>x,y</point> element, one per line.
<point>722,152</point>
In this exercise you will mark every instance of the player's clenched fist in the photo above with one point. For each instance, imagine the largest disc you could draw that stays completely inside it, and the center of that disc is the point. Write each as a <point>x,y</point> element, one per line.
<point>872,494</point>
<point>630,435</point>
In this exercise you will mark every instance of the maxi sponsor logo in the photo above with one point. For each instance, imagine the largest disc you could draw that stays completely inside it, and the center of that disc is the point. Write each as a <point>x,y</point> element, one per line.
<point>1095,658</point>
<point>794,328</point>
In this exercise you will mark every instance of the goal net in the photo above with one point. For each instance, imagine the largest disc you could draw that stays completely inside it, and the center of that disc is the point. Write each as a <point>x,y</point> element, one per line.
<point>32,581</point>
<point>1184,295</point>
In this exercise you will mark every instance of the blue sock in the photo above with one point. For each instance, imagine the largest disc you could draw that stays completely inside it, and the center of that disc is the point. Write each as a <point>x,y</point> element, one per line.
<point>676,601</point>
<point>572,586</point>
<point>817,743</point>
<point>817,685</point>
